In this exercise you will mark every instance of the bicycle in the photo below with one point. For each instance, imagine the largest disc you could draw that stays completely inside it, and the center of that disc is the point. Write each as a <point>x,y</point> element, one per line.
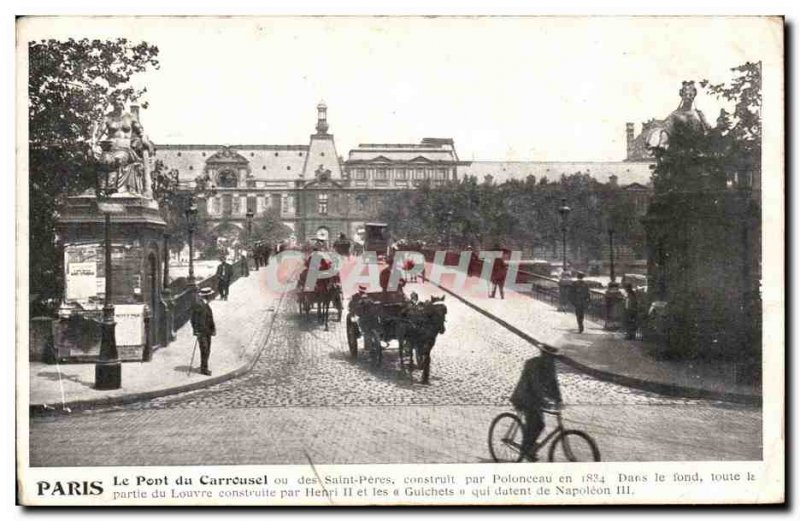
<point>505,441</point>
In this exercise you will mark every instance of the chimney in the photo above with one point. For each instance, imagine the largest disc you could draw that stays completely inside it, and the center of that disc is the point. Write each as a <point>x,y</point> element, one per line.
<point>629,141</point>
<point>135,112</point>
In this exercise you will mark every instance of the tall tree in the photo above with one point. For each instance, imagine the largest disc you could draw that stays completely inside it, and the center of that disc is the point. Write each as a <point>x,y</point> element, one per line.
<point>269,228</point>
<point>70,84</point>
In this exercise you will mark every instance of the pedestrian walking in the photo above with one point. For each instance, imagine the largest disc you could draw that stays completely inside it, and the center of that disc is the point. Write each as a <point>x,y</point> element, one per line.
<point>245,264</point>
<point>266,251</point>
<point>536,389</point>
<point>498,278</point>
<point>580,299</point>
<point>224,276</point>
<point>203,327</point>
<point>631,311</point>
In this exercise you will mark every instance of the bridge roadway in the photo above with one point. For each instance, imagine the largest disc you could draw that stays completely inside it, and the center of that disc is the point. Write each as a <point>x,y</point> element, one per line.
<point>306,398</point>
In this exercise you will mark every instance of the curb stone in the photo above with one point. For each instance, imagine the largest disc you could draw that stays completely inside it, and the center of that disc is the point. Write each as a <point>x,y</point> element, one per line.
<point>672,390</point>
<point>257,341</point>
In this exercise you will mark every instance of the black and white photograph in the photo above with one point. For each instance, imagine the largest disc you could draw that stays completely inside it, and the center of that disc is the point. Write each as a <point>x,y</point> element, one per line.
<point>351,260</point>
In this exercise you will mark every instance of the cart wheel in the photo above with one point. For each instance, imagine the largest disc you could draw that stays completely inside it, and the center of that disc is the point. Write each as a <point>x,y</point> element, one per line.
<point>352,336</point>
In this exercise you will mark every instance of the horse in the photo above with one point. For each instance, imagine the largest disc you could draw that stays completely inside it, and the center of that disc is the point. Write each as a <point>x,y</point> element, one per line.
<point>327,292</point>
<point>418,330</point>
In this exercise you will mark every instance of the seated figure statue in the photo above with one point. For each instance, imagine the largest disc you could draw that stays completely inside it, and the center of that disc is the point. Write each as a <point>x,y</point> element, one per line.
<point>685,115</point>
<point>122,149</point>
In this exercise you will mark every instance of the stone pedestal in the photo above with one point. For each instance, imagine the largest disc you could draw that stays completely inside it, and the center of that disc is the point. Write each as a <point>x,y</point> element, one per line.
<point>704,263</point>
<point>136,251</point>
<point>564,288</point>
<point>615,307</point>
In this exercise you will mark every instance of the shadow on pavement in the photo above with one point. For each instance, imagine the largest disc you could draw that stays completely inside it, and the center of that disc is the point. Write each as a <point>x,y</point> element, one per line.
<point>72,378</point>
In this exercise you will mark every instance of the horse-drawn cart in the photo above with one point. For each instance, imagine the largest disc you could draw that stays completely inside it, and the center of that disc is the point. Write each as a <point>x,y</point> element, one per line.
<point>376,317</point>
<point>381,317</point>
<point>326,293</point>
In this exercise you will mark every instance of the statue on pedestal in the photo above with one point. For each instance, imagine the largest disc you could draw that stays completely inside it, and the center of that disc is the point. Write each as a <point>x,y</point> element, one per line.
<point>122,149</point>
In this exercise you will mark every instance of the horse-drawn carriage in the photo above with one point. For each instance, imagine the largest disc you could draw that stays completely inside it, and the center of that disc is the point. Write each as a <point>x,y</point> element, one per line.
<point>383,316</point>
<point>325,293</point>
<point>342,246</point>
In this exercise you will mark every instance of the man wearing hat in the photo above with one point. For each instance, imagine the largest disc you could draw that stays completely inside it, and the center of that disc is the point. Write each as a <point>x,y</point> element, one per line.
<point>224,276</point>
<point>537,389</point>
<point>356,299</point>
<point>203,326</point>
<point>581,298</point>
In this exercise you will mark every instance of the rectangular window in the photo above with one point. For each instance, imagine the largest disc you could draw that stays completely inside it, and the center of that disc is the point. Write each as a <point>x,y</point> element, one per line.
<point>216,206</point>
<point>322,204</point>
<point>361,203</point>
<point>419,174</point>
<point>251,204</point>
<point>275,201</point>
<point>381,174</point>
<point>361,174</point>
<point>400,174</point>
<point>237,202</point>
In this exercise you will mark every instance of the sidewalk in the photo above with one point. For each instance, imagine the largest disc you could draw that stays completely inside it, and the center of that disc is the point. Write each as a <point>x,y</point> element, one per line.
<point>243,323</point>
<point>604,354</point>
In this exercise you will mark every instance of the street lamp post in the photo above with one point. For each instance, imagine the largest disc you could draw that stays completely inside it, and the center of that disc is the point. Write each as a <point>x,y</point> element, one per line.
<point>449,227</point>
<point>108,370</point>
<point>564,210</point>
<point>564,283</point>
<point>166,293</point>
<point>611,249</point>
<point>191,222</point>
<point>613,296</point>
<point>249,216</point>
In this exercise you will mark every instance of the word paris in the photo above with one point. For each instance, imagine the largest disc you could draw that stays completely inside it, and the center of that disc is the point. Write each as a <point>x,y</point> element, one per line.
<point>402,266</point>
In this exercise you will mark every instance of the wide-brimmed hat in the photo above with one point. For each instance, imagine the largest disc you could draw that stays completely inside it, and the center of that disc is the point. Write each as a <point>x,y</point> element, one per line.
<point>362,288</point>
<point>205,292</point>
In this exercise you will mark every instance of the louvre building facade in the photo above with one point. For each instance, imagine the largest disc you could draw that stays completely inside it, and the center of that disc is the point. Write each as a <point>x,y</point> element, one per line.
<point>318,193</point>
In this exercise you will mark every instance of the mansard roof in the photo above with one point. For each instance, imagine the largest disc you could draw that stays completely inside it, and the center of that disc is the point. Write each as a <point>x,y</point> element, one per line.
<point>227,155</point>
<point>265,162</point>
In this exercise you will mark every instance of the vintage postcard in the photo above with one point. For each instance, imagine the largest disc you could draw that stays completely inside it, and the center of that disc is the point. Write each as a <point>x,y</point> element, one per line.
<point>454,260</point>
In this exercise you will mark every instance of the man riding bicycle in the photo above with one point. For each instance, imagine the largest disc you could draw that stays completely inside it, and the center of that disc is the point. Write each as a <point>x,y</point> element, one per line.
<point>537,389</point>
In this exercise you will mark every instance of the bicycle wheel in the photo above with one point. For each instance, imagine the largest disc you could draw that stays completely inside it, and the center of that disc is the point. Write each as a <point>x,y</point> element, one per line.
<point>505,438</point>
<point>574,445</point>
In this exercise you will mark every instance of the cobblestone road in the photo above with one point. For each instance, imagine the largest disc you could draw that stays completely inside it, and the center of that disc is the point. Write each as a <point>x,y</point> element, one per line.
<point>306,398</point>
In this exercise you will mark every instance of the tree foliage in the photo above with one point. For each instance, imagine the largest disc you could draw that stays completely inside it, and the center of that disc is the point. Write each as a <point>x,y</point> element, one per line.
<point>70,84</point>
<point>268,227</point>
<point>516,214</point>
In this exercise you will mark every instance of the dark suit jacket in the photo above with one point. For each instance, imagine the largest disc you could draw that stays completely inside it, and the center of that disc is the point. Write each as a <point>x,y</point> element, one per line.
<point>499,271</point>
<point>537,382</point>
<point>580,294</point>
<point>203,319</point>
<point>224,272</point>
